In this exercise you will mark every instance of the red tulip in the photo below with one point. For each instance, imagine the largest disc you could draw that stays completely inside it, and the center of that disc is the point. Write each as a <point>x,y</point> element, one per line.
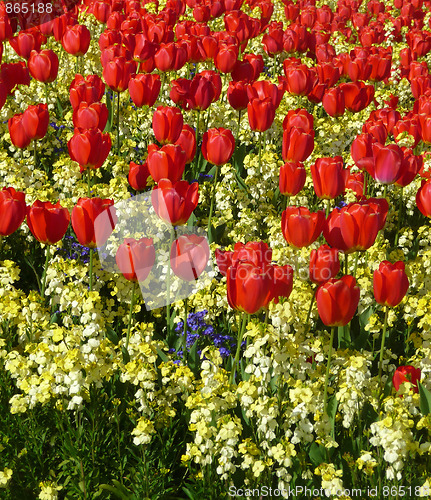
<point>218,145</point>
<point>43,65</point>
<point>187,142</point>
<point>283,282</point>
<point>47,222</point>
<point>76,40</point>
<point>225,57</point>
<point>300,119</point>
<point>144,89</point>
<point>201,93</point>
<point>118,72</point>
<point>410,167</point>
<point>299,79</point>
<point>167,163</point>
<point>138,176</point>
<point>14,74</point>
<point>135,258</point>
<point>261,114</point>
<point>84,213</point>
<point>357,95</point>
<point>300,227</point>
<point>390,283</point>
<point>175,202</point>
<point>333,102</point>
<point>12,210</point>
<point>327,175</point>
<point>324,264</point>
<point>30,125</point>
<point>93,115</point>
<point>297,145</point>
<point>337,301</point>
<point>167,124</point>
<point>388,163</point>
<point>90,89</point>
<point>256,62</point>
<point>423,198</point>
<point>189,256</point>
<point>362,151</point>
<point>264,89</point>
<point>25,42</point>
<point>407,374</point>
<point>292,178</point>
<point>89,148</point>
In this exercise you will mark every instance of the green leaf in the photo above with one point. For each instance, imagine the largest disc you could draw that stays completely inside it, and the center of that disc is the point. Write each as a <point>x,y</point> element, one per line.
<point>344,339</point>
<point>192,220</point>
<point>425,400</point>
<point>194,359</point>
<point>317,454</point>
<point>162,355</point>
<point>119,493</point>
<point>60,109</point>
<point>126,355</point>
<point>332,411</point>
<point>111,335</point>
<point>110,121</point>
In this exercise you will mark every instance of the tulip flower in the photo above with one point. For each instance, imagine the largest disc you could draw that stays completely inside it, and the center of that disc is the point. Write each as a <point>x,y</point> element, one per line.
<point>167,124</point>
<point>283,282</point>
<point>300,227</point>
<point>333,102</point>
<point>261,113</point>
<point>138,176</point>
<point>91,89</point>
<point>357,95</point>
<point>423,198</point>
<point>84,213</point>
<point>12,210</point>
<point>324,264</point>
<point>292,178</point>
<point>25,42</point>
<point>299,79</point>
<point>218,145</point>
<point>390,283</point>
<point>237,95</point>
<point>225,57</point>
<point>167,163</point>
<point>297,145</point>
<point>87,116</point>
<point>337,301</point>
<point>408,374</point>
<point>327,175</point>
<point>300,119</point>
<point>189,256</point>
<point>187,142</point>
<point>144,89</point>
<point>175,202</point>
<point>388,163</point>
<point>89,148</point>
<point>76,40</point>
<point>43,65</point>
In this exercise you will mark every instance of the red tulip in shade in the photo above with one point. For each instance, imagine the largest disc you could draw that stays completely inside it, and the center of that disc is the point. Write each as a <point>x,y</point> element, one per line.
<point>189,256</point>
<point>30,125</point>
<point>353,227</point>
<point>87,116</point>
<point>47,222</point>
<point>390,283</point>
<point>324,264</point>
<point>43,65</point>
<point>292,178</point>
<point>167,163</point>
<point>135,258</point>
<point>167,124</point>
<point>138,176</point>
<point>410,167</point>
<point>337,301</point>
<point>283,282</point>
<point>388,163</point>
<point>118,72</point>
<point>84,213</point>
<point>261,114</point>
<point>187,141</point>
<point>423,198</point>
<point>175,202</point>
<point>89,148</point>
<point>357,95</point>
<point>144,89</point>
<point>297,145</point>
<point>237,95</point>
<point>301,227</point>
<point>218,145</point>
<point>333,102</point>
<point>90,89</point>
<point>76,40</point>
<point>407,374</point>
<point>327,175</point>
<point>12,210</point>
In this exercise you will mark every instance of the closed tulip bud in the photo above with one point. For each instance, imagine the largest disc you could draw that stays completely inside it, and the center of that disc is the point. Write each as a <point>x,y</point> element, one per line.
<point>167,124</point>
<point>118,72</point>
<point>299,79</point>
<point>408,374</point>
<point>89,148</point>
<point>423,198</point>
<point>292,178</point>
<point>297,145</point>
<point>300,119</point>
<point>390,283</point>
<point>283,282</point>
<point>187,142</point>
<point>168,162</point>
<point>425,127</point>
<point>301,227</point>
<point>261,114</point>
<point>76,40</point>
<point>201,93</point>
<point>84,213</point>
<point>189,256</point>
<point>48,223</point>
<point>175,202</point>
<point>25,42</point>
<point>237,95</point>
<point>357,95</point>
<point>30,125</point>
<point>144,89</point>
<point>226,57</point>
<point>333,102</point>
<point>91,89</point>
<point>327,175</point>
<point>337,301</point>
<point>264,89</point>
<point>138,176</point>
<point>12,210</point>
<point>377,130</point>
<point>88,116</point>
<point>218,145</point>
<point>410,167</point>
<point>388,163</point>
<point>135,258</point>
<point>324,264</point>
<point>43,65</point>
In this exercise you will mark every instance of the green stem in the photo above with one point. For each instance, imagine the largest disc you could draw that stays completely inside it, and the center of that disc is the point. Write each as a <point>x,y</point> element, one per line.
<point>238,347</point>
<point>35,153</point>
<point>118,123</point>
<point>385,191</point>
<point>42,292</point>
<point>198,117</point>
<point>129,325</point>
<point>346,263</point>
<point>356,264</point>
<point>185,332</point>
<point>309,310</point>
<point>382,348</point>
<point>328,207</point>
<point>91,269</point>
<point>168,287</point>
<point>46,93</point>
<point>238,125</point>
<point>212,202</point>
<point>260,154</point>
<point>400,208</point>
<point>328,365</point>
<point>88,181</point>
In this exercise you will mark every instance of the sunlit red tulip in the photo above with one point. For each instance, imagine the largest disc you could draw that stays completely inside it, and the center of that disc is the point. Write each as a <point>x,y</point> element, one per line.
<point>144,89</point>
<point>43,65</point>
<point>118,72</point>
<point>76,40</point>
<point>89,148</point>
<point>138,176</point>
<point>189,256</point>
<point>187,141</point>
<point>324,264</point>
<point>327,175</point>
<point>301,227</point>
<point>168,162</point>
<point>299,79</point>
<point>47,222</point>
<point>135,258</point>
<point>423,198</point>
<point>26,41</point>
<point>357,95</point>
<point>390,283</point>
<point>261,114</point>
<point>300,119</point>
<point>225,57</point>
<point>292,178</point>
<point>12,210</point>
<point>297,145</point>
<point>283,282</point>
<point>407,374</point>
<point>175,202</point>
<point>91,89</point>
<point>388,163</point>
<point>30,125</point>
<point>218,145</point>
<point>333,102</point>
<point>410,167</point>
<point>93,115</point>
<point>167,124</point>
<point>337,301</point>
<point>84,213</point>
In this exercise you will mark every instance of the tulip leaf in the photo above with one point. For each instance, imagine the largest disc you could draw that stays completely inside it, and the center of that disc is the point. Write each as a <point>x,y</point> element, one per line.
<point>110,121</point>
<point>192,220</point>
<point>344,339</point>
<point>111,334</point>
<point>194,359</point>
<point>317,454</point>
<point>425,400</point>
<point>162,355</point>
<point>60,109</point>
<point>332,411</point>
<point>126,355</point>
